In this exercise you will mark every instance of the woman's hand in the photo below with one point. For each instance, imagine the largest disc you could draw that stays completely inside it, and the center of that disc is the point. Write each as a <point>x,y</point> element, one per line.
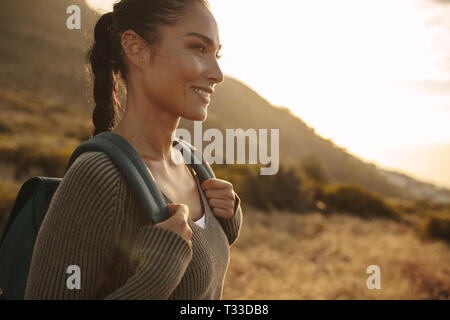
<point>178,221</point>
<point>220,195</point>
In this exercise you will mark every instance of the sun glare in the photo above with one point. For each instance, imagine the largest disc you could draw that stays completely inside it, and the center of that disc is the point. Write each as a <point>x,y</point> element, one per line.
<point>101,6</point>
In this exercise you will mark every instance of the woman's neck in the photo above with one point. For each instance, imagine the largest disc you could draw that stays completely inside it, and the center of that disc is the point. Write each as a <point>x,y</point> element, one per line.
<point>149,132</point>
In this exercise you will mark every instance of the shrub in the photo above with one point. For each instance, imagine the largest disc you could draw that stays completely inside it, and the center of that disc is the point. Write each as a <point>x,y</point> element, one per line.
<point>281,191</point>
<point>313,168</point>
<point>46,156</point>
<point>284,190</point>
<point>356,200</point>
<point>436,225</point>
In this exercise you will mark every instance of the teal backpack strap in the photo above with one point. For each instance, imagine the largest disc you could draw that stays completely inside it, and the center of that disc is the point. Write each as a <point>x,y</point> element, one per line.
<point>134,169</point>
<point>202,168</point>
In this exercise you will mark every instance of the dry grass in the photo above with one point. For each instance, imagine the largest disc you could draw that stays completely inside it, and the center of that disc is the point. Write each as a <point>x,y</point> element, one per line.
<point>26,113</point>
<point>284,255</point>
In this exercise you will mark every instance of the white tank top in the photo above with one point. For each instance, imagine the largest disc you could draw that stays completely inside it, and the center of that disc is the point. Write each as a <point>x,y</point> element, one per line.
<point>201,221</point>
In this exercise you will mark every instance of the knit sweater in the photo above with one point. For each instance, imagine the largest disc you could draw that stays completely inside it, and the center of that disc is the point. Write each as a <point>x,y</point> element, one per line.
<point>95,222</point>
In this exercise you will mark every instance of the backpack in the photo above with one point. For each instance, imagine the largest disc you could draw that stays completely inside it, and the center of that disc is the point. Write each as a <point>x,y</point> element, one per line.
<point>34,197</point>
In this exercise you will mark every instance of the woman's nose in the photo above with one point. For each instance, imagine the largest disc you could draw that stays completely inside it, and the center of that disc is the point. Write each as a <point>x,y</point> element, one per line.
<point>215,73</point>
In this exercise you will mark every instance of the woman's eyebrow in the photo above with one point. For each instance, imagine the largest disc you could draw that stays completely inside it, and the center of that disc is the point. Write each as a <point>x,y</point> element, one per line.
<point>204,38</point>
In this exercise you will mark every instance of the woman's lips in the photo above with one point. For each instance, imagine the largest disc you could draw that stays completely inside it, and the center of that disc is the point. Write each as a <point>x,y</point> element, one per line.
<point>203,97</point>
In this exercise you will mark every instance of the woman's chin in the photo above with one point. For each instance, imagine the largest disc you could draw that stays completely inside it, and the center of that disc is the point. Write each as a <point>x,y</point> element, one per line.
<point>200,115</point>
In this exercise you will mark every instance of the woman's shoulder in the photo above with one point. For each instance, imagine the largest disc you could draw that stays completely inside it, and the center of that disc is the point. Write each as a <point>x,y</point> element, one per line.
<point>93,169</point>
<point>88,193</point>
<point>97,161</point>
<point>91,158</point>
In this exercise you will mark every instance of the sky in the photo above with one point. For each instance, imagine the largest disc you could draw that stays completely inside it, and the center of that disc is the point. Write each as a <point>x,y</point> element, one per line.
<point>374,76</point>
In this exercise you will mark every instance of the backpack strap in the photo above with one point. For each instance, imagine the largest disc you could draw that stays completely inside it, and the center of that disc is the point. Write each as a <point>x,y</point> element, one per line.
<point>135,170</point>
<point>201,167</point>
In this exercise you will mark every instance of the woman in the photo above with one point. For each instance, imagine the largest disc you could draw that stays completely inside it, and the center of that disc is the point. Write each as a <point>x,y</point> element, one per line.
<point>96,241</point>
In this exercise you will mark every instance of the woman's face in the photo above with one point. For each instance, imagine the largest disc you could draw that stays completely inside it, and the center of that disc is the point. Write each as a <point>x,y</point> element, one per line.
<point>182,62</point>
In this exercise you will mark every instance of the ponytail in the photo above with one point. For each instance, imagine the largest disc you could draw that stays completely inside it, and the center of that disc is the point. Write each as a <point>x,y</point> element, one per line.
<point>105,85</point>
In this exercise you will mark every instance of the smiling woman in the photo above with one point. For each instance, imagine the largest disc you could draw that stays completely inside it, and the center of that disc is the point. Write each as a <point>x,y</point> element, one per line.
<point>166,52</point>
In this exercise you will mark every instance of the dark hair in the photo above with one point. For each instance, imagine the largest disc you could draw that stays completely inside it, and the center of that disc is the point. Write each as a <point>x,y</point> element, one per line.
<point>105,55</point>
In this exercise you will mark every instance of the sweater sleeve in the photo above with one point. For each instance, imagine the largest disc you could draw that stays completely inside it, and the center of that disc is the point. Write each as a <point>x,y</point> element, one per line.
<point>76,243</point>
<point>162,259</point>
<point>232,226</point>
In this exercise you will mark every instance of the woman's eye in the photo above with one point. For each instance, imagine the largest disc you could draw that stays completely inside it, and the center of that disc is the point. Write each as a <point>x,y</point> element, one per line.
<point>196,46</point>
<point>202,49</point>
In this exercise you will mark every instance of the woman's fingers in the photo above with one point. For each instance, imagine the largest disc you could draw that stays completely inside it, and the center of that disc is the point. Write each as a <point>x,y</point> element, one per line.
<point>221,203</point>
<point>214,183</point>
<point>219,194</point>
<point>178,221</point>
<point>223,213</point>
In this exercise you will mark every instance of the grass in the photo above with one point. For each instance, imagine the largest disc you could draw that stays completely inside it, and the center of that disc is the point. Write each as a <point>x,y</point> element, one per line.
<point>283,255</point>
<point>24,114</point>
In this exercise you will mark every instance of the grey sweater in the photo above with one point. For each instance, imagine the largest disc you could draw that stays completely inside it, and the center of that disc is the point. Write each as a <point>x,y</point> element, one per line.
<point>95,222</point>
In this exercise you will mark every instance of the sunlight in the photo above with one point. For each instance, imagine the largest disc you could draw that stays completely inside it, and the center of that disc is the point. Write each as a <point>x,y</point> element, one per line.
<point>101,6</point>
<point>341,66</point>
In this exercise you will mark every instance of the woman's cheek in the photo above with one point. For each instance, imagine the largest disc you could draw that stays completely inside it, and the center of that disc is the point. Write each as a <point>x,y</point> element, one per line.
<point>194,68</point>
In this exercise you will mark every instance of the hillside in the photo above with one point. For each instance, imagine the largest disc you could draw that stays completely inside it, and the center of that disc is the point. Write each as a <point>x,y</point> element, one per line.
<point>44,61</point>
<point>39,53</point>
<point>420,190</point>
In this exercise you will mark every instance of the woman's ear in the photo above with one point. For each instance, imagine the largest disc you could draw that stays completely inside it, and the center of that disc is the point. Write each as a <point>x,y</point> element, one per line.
<point>134,47</point>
